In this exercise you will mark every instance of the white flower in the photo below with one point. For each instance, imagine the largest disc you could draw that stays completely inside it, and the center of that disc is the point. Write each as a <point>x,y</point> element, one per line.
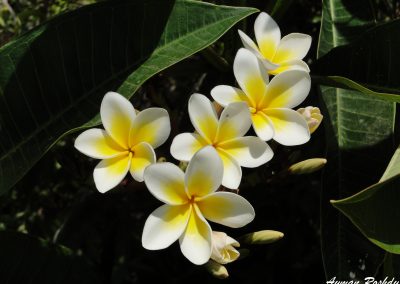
<point>127,142</point>
<point>277,54</point>
<point>225,135</point>
<point>313,117</point>
<point>270,103</point>
<point>190,199</point>
<point>223,250</point>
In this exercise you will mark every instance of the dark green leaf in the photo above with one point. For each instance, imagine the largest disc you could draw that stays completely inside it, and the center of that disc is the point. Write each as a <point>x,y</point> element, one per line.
<point>25,259</point>
<point>345,83</point>
<point>53,78</point>
<point>359,143</point>
<point>368,64</point>
<point>374,209</point>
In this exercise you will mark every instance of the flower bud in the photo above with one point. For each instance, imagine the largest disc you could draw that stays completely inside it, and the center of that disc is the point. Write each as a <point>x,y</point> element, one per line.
<point>307,166</point>
<point>262,237</point>
<point>313,117</point>
<point>223,250</point>
<point>217,270</point>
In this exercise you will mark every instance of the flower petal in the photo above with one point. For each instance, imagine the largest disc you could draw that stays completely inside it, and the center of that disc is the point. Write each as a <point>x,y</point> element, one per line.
<point>224,95</point>
<point>203,116</point>
<point>268,35</point>
<point>234,122</point>
<point>164,226</point>
<point>248,43</point>
<point>96,143</point>
<point>287,89</point>
<point>251,75</point>
<point>204,172</point>
<point>110,172</point>
<point>185,145</point>
<point>292,46</point>
<point>165,182</point>
<point>249,151</point>
<point>117,115</point>
<point>232,171</point>
<point>227,208</point>
<point>296,64</point>
<point>195,242</point>
<point>262,126</point>
<point>143,156</point>
<point>290,126</point>
<point>151,125</point>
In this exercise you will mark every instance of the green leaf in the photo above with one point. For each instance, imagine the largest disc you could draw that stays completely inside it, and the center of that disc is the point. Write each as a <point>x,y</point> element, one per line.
<point>368,64</point>
<point>25,259</point>
<point>359,133</point>
<point>53,78</point>
<point>345,83</point>
<point>277,8</point>
<point>375,210</point>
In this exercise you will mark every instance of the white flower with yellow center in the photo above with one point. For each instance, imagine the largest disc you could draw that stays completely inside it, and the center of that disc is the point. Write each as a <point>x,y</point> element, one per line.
<point>224,248</point>
<point>277,54</point>
<point>126,144</point>
<point>190,199</point>
<point>225,135</point>
<point>270,103</point>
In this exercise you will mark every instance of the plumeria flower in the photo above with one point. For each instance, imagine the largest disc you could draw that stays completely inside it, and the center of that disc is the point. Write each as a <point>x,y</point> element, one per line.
<point>270,103</point>
<point>190,199</point>
<point>126,144</point>
<point>313,117</point>
<point>277,54</point>
<point>226,135</point>
<point>224,248</point>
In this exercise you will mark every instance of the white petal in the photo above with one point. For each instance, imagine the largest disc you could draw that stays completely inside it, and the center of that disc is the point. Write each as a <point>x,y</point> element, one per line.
<point>232,170</point>
<point>227,208</point>
<point>290,126</point>
<point>203,116</point>
<point>195,243</point>
<point>96,143</point>
<point>224,95</point>
<point>296,64</point>
<point>165,182</point>
<point>185,145</point>
<point>251,75</point>
<point>204,172</point>
<point>262,126</point>
<point>249,151</point>
<point>143,156</point>
<point>287,89</point>
<point>110,172</point>
<point>234,122</point>
<point>268,35</point>
<point>117,115</point>
<point>248,43</point>
<point>164,226</point>
<point>293,46</point>
<point>151,125</point>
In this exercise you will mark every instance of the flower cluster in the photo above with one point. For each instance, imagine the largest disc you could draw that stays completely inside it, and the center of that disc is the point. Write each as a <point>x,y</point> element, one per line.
<point>215,151</point>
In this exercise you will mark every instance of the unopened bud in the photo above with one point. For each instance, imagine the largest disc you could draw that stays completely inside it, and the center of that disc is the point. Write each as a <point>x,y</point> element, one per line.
<point>161,160</point>
<point>261,237</point>
<point>307,166</point>
<point>183,165</point>
<point>217,270</point>
<point>313,117</point>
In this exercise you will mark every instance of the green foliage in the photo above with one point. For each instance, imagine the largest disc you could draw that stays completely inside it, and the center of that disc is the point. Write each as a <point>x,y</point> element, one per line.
<point>374,209</point>
<point>373,63</point>
<point>25,259</point>
<point>55,76</point>
<point>359,133</point>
